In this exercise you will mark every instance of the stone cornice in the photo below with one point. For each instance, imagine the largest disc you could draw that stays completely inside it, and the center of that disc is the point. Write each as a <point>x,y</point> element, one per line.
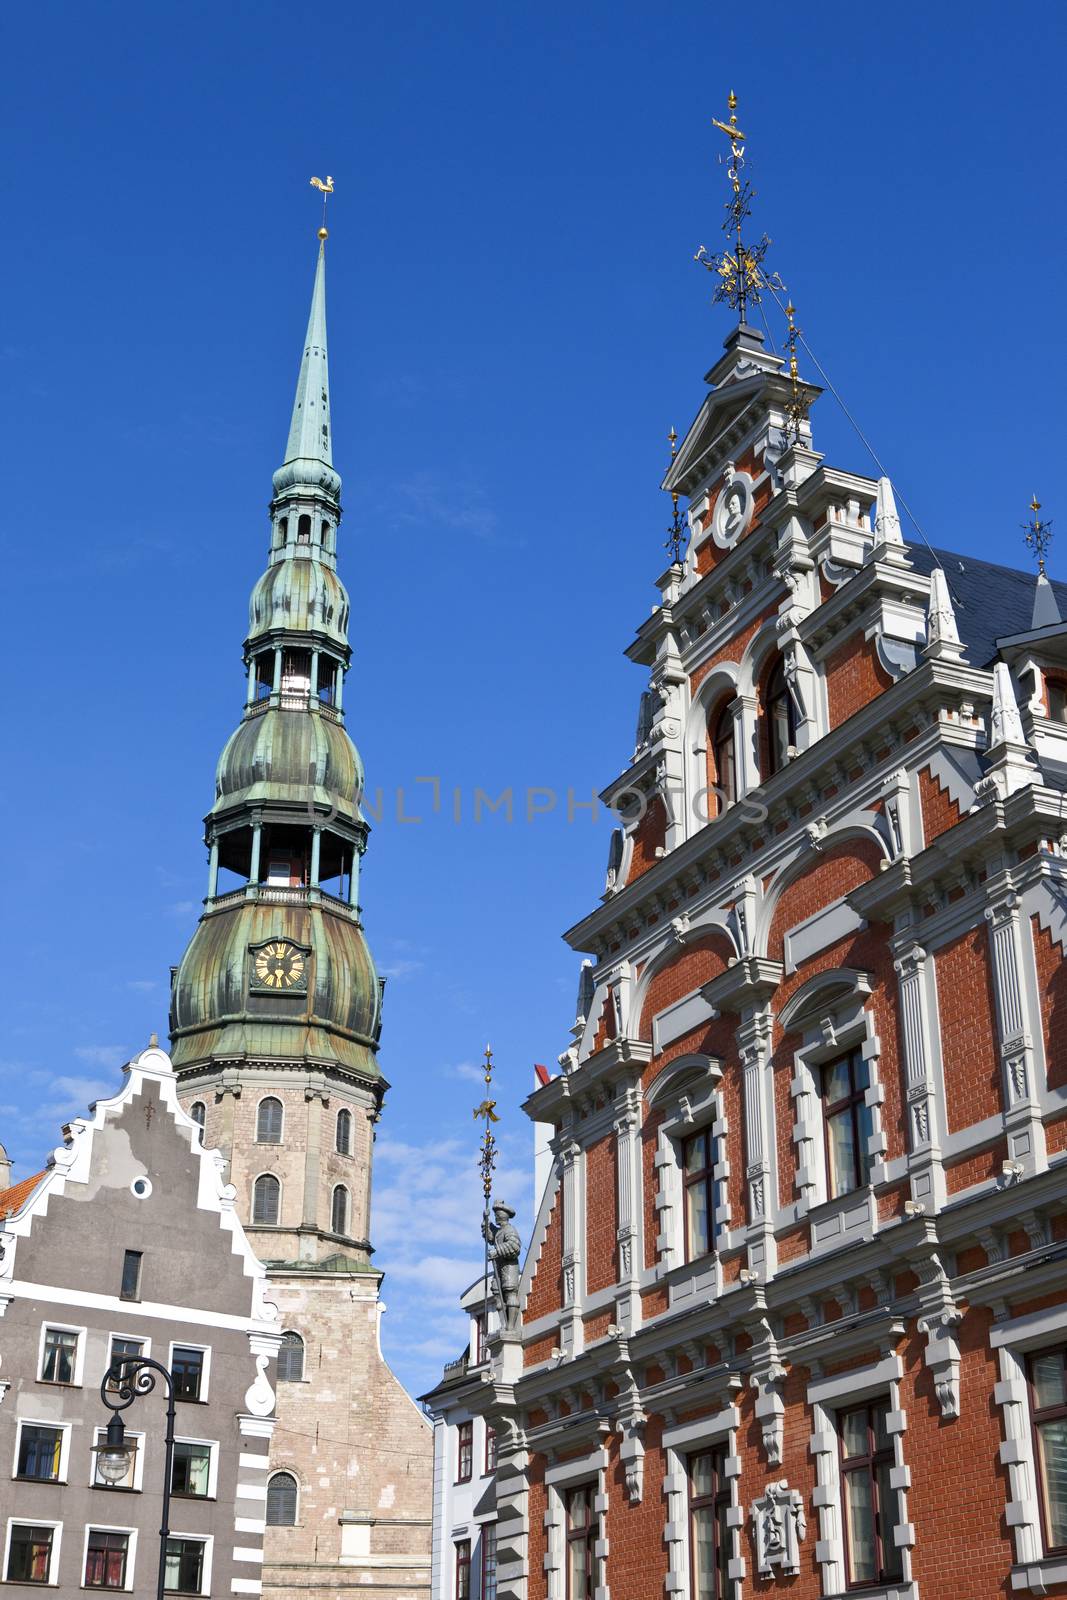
<point>621,1060</point>
<point>748,981</point>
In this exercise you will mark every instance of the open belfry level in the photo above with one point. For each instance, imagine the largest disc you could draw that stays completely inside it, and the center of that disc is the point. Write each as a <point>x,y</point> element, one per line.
<point>275,1018</point>
<point>794,1310</point>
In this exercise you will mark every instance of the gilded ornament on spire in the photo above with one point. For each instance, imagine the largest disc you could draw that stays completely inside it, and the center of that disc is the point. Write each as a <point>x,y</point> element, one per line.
<point>739,268</point>
<point>486,1112</point>
<point>797,408</point>
<point>326,188</point>
<point>676,532</point>
<point>1038,534</point>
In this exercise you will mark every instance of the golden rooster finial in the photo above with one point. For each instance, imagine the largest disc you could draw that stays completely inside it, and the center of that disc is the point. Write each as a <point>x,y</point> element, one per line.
<point>326,188</point>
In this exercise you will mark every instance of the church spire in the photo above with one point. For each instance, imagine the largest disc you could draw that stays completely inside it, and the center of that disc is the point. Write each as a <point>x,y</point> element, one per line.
<point>309,431</point>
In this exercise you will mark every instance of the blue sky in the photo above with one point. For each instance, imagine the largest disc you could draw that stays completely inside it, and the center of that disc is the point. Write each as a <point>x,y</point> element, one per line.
<point>515,323</point>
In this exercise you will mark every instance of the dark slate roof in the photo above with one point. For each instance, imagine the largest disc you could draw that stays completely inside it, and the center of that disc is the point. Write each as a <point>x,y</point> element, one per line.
<point>991,602</point>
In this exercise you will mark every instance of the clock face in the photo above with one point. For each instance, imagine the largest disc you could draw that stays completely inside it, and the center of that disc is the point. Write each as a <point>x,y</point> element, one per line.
<point>279,965</point>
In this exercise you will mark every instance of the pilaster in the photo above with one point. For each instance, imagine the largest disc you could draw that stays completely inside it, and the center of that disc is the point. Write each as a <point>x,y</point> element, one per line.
<point>1022,1110</point>
<point>628,1168</point>
<point>923,1093</point>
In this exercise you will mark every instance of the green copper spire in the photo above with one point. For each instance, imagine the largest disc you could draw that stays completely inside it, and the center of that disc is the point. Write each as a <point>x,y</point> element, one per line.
<point>309,431</point>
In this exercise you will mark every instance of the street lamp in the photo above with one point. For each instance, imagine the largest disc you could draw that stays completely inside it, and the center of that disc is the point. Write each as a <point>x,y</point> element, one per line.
<point>126,1379</point>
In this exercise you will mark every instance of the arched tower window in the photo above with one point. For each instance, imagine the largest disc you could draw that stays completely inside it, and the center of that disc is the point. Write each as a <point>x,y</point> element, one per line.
<point>283,531</point>
<point>326,536</point>
<point>339,1210</point>
<point>291,1358</point>
<point>723,760</point>
<point>281,1501</point>
<point>780,718</point>
<point>269,1121</point>
<point>303,530</point>
<point>266,1200</point>
<point>198,1112</point>
<point>344,1133</point>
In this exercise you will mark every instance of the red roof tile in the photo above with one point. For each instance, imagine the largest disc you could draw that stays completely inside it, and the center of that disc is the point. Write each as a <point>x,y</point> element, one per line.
<point>12,1199</point>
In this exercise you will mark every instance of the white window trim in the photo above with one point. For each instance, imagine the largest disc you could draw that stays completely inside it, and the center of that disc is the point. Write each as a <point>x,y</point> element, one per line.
<point>591,1468</point>
<point>847,1024</point>
<point>212,1469</point>
<point>690,1108</point>
<point>208,1541</point>
<point>718,1432</point>
<point>281,1132</point>
<point>266,1173</point>
<point>828,1396</point>
<point>205,1371</point>
<point>288,1472</point>
<point>64,1447</point>
<point>140,1440</point>
<point>145,1341</point>
<point>1014,1341</point>
<point>36,1522</point>
<point>131,1556</point>
<point>79,1357</point>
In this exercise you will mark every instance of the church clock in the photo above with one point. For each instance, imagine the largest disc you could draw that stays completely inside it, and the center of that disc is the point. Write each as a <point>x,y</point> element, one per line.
<point>279,965</point>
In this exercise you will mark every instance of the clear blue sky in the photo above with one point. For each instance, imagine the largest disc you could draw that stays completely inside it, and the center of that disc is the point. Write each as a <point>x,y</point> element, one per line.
<point>515,323</point>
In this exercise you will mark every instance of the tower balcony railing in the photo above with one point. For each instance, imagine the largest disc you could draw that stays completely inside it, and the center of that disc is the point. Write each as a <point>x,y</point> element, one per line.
<point>277,894</point>
<point>293,702</point>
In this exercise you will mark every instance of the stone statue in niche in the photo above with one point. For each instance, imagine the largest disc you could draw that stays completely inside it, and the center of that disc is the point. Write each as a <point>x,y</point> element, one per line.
<point>778,1529</point>
<point>505,1248</point>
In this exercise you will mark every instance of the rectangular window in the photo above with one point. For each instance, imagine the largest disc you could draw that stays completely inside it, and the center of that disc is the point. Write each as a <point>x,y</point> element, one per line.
<point>849,1124</point>
<point>122,1349</point>
<point>871,1552</point>
<point>40,1452</point>
<point>479,1339</point>
<point>709,1543</point>
<point>105,1559</point>
<point>489,1561</point>
<point>129,1481</point>
<point>185,1566</point>
<point>581,1538</point>
<point>187,1371</point>
<point>1048,1411</point>
<point>29,1556</point>
<point>131,1276</point>
<point>490,1448</point>
<point>191,1472</point>
<point>701,1194</point>
<point>463,1569</point>
<point>59,1361</point>
<point>464,1451</point>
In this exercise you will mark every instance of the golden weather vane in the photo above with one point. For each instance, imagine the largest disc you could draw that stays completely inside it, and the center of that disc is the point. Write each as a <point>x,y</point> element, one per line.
<point>327,190</point>
<point>1038,534</point>
<point>676,532</point>
<point>739,269</point>
<point>797,408</point>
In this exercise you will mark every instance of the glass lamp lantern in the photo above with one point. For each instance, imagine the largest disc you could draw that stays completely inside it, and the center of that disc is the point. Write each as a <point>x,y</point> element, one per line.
<point>116,1456</point>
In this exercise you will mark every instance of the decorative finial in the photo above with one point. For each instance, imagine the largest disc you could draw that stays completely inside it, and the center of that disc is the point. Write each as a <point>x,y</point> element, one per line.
<point>153,1041</point>
<point>739,268</point>
<point>327,190</point>
<point>486,1113</point>
<point>676,533</point>
<point>1038,534</point>
<point>797,409</point>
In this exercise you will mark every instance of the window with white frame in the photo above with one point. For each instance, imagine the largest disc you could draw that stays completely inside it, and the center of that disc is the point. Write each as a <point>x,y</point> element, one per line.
<point>488,1561</point>
<point>1032,1396</point>
<point>41,1450</point>
<point>574,1524</point>
<point>61,1355</point>
<point>188,1565</point>
<point>124,1348</point>
<point>464,1451</point>
<point>703,1513</point>
<point>134,1471</point>
<point>190,1365</point>
<point>691,1204</point>
<point>1047,1374</point>
<point>848,1122</point>
<point>581,1538</point>
<point>868,1497</point>
<point>32,1552</point>
<point>701,1193</point>
<point>708,1497</point>
<point>109,1554</point>
<point>463,1569</point>
<point>193,1469</point>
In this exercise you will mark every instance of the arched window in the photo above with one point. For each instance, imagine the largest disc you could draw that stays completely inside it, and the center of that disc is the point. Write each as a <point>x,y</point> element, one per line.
<point>339,1210</point>
<point>281,1501</point>
<point>723,758</point>
<point>780,717</point>
<point>283,530</point>
<point>198,1112</point>
<point>266,1200</point>
<point>303,531</point>
<point>344,1133</point>
<point>291,1358</point>
<point>269,1121</point>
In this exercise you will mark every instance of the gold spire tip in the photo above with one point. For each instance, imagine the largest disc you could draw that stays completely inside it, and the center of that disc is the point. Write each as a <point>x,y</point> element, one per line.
<point>324,233</point>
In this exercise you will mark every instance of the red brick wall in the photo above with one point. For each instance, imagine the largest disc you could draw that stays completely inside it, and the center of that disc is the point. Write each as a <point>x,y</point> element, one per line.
<point>649,1142</point>
<point>734,648</point>
<point>546,1289</point>
<point>968,1029</point>
<point>1052,983</point>
<point>826,879</point>
<point>602,1212</point>
<point>650,835</point>
<point>854,677</point>
<point>637,1564</point>
<point>939,811</point>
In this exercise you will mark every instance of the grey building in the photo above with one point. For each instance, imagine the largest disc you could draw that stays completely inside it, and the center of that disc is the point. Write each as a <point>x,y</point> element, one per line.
<point>129,1244</point>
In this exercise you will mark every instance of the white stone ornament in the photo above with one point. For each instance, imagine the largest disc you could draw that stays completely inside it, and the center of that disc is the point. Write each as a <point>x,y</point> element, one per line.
<point>259,1397</point>
<point>942,633</point>
<point>778,1529</point>
<point>733,509</point>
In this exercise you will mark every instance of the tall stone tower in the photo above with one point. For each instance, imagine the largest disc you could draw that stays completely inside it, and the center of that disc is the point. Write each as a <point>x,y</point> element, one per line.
<point>275,1017</point>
